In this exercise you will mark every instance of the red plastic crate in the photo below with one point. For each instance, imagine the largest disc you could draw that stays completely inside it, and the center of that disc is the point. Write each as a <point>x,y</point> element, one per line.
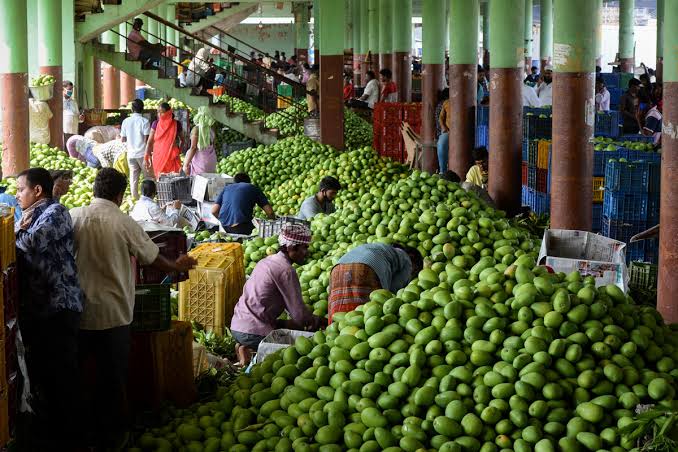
<point>542,180</point>
<point>412,115</point>
<point>172,245</point>
<point>387,113</point>
<point>523,173</point>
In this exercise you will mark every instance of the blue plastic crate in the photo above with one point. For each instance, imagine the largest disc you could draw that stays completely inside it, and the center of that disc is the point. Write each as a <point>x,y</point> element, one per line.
<point>611,79</point>
<point>642,156</point>
<point>615,96</point>
<point>524,198</point>
<point>636,138</point>
<point>626,206</point>
<point>651,251</point>
<point>635,252</point>
<point>600,159</point>
<point>532,177</point>
<point>524,152</point>
<point>597,223</point>
<point>539,202</point>
<point>632,177</point>
<point>482,136</point>
<point>483,115</point>
<point>623,230</point>
<point>537,111</point>
<point>535,127</point>
<point>607,124</point>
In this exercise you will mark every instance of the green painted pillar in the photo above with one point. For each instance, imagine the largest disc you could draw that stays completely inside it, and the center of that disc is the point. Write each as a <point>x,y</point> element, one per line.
<point>85,91</point>
<point>573,113</point>
<point>386,34</point>
<point>301,31</point>
<point>626,35</point>
<point>546,32</point>
<point>464,18</point>
<point>153,28</point>
<point>660,41</point>
<point>357,44</point>
<point>50,58</point>
<point>507,21</point>
<point>348,26</point>
<point>667,303</point>
<point>433,29</point>
<point>332,22</point>
<point>528,35</point>
<point>485,10</point>
<point>373,34</point>
<point>14,83</point>
<point>364,39</point>
<point>317,36</point>
<point>402,48</point>
<point>599,35</point>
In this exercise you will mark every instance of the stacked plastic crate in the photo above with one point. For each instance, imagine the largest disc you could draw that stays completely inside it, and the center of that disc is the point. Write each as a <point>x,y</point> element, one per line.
<point>536,145</point>
<point>387,118</point>
<point>631,205</point>
<point>482,126</point>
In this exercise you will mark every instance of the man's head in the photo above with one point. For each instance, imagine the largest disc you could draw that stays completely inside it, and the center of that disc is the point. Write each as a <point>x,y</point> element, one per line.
<point>293,58</point>
<point>548,74</point>
<point>148,188</point>
<point>294,240</point>
<point>645,79</point>
<point>137,106</point>
<point>370,75</point>
<point>415,258</point>
<point>242,177</point>
<point>451,176</point>
<point>657,91</point>
<point>62,182</point>
<point>110,184</point>
<point>386,75</point>
<point>329,187</point>
<point>33,185</point>
<point>163,108</point>
<point>137,24</point>
<point>534,70</point>
<point>479,155</point>
<point>68,88</point>
<point>347,79</point>
<point>599,69</point>
<point>600,84</point>
<point>481,73</point>
<point>634,86</point>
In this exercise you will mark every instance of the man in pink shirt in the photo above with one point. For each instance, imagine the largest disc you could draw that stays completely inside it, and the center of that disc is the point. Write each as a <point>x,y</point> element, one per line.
<point>140,49</point>
<point>273,288</point>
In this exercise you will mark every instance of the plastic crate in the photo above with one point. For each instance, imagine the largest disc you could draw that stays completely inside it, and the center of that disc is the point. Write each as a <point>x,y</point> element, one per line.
<point>643,156</point>
<point>7,239</point>
<point>523,173</point>
<point>152,310</point>
<point>611,79</point>
<point>615,96</point>
<point>597,223</point>
<point>532,177</point>
<point>542,181</point>
<point>387,114</point>
<point>643,275</point>
<point>482,136</point>
<point>269,228</point>
<point>544,154</point>
<point>171,188</point>
<point>532,152</point>
<point>625,206</point>
<point>524,195</point>
<point>172,244</point>
<point>634,177</point>
<point>483,115</point>
<point>607,124</point>
<point>539,202</point>
<point>598,189</point>
<point>412,115</point>
<point>622,230</point>
<point>524,154</point>
<point>637,138</point>
<point>600,159</point>
<point>214,286</point>
<point>536,127</point>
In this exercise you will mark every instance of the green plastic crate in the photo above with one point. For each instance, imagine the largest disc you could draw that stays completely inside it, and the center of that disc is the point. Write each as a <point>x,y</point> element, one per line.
<point>643,275</point>
<point>152,310</point>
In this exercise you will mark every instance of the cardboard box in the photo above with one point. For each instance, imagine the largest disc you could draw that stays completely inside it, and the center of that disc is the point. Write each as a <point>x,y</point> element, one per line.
<point>590,254</point>
<point>207,186</point>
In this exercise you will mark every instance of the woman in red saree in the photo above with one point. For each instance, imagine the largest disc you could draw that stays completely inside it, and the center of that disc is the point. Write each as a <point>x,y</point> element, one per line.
<point>164,143</point>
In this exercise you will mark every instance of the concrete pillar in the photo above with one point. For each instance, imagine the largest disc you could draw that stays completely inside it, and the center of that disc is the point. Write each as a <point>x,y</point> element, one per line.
<point>364,39</point>
<point>626,34</point>
<point>485,9</point>
<point>301,32</point>
<point>402,48</point>
<point>386,34</point>
<point>51,62</point>
<point>659,70</point>
<point>98,83</point>
<point>14,82</point>
<point>127,88</point>
<point>573,114</point>
<point>546,33</point>
<point>599,35</point>
<point>153,28</point>
<point>434,24</point>
<point>507,20</point>
<point>123,31</point>
<point>463,92</point>
<point>528,35</point>
<point>667,303</point>
<point>348,26</point>
<point>332,18</point>
<point>138,83</point>
<point>357,43</point>
<point>373,34</point>
<point>316,31</point>
<point>111,87</point>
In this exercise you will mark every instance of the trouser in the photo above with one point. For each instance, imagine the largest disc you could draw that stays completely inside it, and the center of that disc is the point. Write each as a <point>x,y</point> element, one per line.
<point>242,229</point>
<point>443,152</point>
<point>105,409</point>
<point>52,359</point>
<point>137,167</point>
<point>247,339</point>
<point>151,55</point>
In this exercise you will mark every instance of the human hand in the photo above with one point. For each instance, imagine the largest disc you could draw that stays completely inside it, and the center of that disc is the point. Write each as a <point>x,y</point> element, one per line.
<point>81,118</point>
<point>185,263</point>
<point>187,170</point>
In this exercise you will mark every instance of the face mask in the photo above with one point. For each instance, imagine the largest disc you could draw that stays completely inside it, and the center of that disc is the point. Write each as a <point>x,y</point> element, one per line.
<point>69,93</point>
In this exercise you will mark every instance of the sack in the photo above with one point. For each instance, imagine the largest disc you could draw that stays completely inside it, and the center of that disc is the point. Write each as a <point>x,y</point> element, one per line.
<point>39,116</point>
<point>121,164</point>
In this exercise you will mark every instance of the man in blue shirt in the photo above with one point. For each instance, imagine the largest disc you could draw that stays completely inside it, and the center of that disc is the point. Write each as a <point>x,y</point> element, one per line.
<point>235,205</point>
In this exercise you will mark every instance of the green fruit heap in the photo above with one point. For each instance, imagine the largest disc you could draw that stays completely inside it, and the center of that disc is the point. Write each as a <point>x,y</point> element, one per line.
<point>236,105</point>
<point>43,80</point>
<point>152,104</point>
<point>492,357</point>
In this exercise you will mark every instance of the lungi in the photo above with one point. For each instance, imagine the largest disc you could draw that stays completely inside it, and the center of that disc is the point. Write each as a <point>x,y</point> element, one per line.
<point>350,286</point>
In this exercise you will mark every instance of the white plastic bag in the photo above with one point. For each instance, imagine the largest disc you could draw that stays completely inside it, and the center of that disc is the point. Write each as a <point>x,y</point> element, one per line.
<point>39,116</point>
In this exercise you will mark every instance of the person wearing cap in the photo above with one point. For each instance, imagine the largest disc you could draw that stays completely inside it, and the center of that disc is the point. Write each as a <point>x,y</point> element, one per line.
<point>273,287</point>
<point>367,268</point>
<point>321,202</point>
<point>545,89</point>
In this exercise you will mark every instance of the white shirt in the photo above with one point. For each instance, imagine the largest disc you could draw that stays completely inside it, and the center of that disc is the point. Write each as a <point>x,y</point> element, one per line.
<point>135,130</point>
<point>545,92</point>
<point>530,98</point>
<point>148,210</point>
<point>371,92</point>
<point>71,116</point>
<point>603,100</point>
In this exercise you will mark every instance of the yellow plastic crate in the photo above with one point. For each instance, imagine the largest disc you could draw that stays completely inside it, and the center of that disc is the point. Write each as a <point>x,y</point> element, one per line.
<point>7,240</point>
<point>543,149</point>
<point>598,189</point>
<point>213,288</point>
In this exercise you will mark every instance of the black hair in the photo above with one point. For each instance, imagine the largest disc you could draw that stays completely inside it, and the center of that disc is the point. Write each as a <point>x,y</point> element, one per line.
<point>39,176</point>
<point>534,68</point>
<point>443,95</point>
<point>600,80</point>
<point>599,69</point>
<point>415,256</point>
<point>138,21</point>
<point>109,184</point>
<point>386,72</point>
<point>148,188</point>
<point>370,74</point>
<point>479,153</point>
<point>242,177</point>
<point>61,174</point>
<point>137,105</point>
<point>165,106</point>
<point>481,68</point>
<point>329,183</point>
<point>67,83</point>
<point>451,176</point>
<point>634,82</point>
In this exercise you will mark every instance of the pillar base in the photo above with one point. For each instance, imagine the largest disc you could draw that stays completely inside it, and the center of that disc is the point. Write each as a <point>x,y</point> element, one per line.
<point>402,72</point>
<point>462,111</point>
<point>111,87</point>
<point>627,65</point>
<point>572,152</point>
<point>668,214</point>
<point>433,77</point>
<point>506,138</point>
<point>56,105</point>
<point>127,88</point>
<point>15,128</point>
<point>659,70</point>
<point>331,101</point>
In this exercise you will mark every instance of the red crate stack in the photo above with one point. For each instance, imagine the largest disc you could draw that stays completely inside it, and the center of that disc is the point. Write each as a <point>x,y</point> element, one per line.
<point>172,245</point>
<point>523,173</point>
<point>542,180</point>
<point>387,119</point>
<point>412,116</point>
